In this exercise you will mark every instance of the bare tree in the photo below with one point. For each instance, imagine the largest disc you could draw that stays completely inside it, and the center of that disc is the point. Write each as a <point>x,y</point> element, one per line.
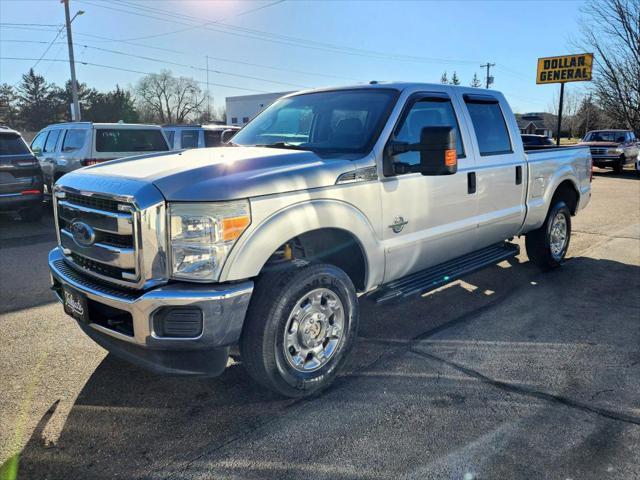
<point>611,29</point>
<point>167,98</point>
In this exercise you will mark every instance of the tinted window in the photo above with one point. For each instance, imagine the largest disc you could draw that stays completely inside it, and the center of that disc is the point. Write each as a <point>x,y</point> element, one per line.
<point>604,137</point>
<point>490,127</point>
<point>212,138</point>
<point>74,140</point>
<point>52,139</point>
<point>170,134</point>
<point>38,143</point>
<point>11,144</point>
<point>129,140</point>
<point>189,138</point>
<point>426,113</point>
<point>339,121</point>
<point>527,140</point>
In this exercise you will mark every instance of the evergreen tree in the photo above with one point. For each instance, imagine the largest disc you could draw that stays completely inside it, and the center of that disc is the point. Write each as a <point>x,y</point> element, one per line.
<point>444,79</point>
<point>112,106</point>
<point>475,82</point>
<point>8,109</point>
<point>86,97</point>
<point>38,102</point>
<point>454,79</point>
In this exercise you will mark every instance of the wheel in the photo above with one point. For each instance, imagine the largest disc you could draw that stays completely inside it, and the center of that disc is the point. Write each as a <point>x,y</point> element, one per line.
<point>618,167</point>
<point>31,214</point>
<point>547,246</point>
<point>300,327</point>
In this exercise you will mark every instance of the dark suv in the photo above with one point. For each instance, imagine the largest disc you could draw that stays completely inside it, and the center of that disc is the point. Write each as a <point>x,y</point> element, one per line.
<point>20,177</point>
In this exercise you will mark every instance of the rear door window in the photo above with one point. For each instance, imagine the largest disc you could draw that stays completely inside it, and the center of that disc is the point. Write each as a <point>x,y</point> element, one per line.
<point>189,139</point>
<point>74,140</point>
<point>37,145</point>
<point>130,140</point>
<point>52,140</point>
<point>489,125</point>
<point>212,138</point>
<point>12,144</point>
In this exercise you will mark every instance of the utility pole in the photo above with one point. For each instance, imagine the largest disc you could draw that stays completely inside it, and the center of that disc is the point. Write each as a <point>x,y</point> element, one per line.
<point>208,104</point>
<point>489,80</point>
<point>72,64</point>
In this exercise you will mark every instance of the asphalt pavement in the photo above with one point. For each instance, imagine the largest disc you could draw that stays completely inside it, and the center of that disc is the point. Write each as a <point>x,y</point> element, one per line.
<point>510,373</point>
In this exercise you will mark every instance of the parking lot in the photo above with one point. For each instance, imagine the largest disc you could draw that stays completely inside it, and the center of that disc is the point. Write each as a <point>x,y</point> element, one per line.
<point>510,373</point>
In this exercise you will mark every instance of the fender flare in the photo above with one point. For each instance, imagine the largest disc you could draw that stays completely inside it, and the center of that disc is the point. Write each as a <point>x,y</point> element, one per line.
<point>255,247</point>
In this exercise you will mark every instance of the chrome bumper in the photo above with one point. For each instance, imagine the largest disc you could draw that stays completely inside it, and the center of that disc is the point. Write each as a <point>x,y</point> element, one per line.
<point>223,310</point>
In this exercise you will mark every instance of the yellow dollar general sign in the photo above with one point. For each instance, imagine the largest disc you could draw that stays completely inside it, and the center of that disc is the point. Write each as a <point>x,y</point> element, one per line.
<point>568,68</point>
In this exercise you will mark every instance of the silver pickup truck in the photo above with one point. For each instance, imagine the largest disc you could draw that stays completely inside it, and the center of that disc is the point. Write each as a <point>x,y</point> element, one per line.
<point>264,246</point>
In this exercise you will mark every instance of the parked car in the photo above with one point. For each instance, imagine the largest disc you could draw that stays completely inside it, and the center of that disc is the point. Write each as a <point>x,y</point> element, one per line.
<point>388,190</point>
<point>64,147</point>
<point>531,141</point>
<point>20,177</point>
<point>612,148</point>
<point>195,136</point>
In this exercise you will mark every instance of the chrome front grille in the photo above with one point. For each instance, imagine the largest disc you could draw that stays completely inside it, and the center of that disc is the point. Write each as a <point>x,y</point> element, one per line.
<point>598,151</point>
<point>110,251</point>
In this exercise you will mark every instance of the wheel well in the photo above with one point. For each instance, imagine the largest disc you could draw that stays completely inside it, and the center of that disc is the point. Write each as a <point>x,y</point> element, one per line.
<point>327,245</point>
<point>567,192</point>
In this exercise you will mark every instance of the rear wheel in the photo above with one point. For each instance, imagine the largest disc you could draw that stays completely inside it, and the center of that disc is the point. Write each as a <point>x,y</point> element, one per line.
<point>300,327</point>
<point>548,245</point>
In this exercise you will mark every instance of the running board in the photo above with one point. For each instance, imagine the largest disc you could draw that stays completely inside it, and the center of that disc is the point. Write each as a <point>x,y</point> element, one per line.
<point>439,275</point>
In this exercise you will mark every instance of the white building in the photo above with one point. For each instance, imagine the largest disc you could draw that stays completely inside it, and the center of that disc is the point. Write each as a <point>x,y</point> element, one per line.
<point>244,107</point>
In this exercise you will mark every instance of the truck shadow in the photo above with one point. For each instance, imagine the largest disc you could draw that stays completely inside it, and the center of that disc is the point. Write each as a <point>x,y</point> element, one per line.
<point>132,424</point>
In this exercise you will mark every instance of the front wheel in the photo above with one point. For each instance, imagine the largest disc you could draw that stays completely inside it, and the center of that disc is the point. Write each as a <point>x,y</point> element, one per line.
<point>300,327</point>
<point>618,167</point>
<point>548,245</point>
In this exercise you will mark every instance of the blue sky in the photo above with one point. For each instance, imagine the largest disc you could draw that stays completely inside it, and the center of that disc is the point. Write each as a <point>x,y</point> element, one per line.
<point>306,43</point>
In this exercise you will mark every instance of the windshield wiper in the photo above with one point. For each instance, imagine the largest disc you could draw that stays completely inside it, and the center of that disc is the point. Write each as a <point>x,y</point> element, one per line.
<point>282,145</point>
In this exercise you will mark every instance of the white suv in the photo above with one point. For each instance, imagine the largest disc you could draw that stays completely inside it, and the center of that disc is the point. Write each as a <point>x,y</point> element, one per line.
<point>64,147</point>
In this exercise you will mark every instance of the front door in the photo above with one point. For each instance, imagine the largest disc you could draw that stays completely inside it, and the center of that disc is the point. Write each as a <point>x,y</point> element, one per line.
<point>427,219</point>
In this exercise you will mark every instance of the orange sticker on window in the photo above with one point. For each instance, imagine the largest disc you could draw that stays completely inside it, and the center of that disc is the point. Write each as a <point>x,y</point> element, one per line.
<point>450,158</point>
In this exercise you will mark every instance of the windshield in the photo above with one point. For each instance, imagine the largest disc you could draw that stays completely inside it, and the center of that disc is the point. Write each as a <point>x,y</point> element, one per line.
<point>344,121</point>
<point>605,137</point>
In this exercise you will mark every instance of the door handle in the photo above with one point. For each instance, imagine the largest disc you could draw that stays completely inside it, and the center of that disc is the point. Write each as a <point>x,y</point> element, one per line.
<point>471,182</point>
<point>518,174</point>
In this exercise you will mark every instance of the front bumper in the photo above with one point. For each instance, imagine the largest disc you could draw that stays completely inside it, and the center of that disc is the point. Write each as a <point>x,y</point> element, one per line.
<point>605,160</point>
<point>223,310</point>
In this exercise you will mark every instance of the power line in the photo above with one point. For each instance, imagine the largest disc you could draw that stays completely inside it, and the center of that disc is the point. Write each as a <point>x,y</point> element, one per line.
<point>167,62</point>
<point>111,67</point>
<point>281,39</point>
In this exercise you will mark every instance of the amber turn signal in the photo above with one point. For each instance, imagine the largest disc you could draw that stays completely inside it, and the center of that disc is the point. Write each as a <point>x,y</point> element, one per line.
<point>450,158</point>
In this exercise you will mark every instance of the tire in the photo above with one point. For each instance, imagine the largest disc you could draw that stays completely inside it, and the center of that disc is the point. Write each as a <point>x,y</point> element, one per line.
<point>31,214</point>
<point>540,243</point>
<point>271,322</point>
<point>619,166</point>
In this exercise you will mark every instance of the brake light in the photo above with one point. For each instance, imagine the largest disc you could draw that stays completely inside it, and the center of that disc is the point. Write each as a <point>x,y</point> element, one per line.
<point>30,192</point>
<point>94,161</point>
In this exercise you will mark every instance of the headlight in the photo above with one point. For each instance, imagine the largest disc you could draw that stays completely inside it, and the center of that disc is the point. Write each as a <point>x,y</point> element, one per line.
<point>202,235</point>
<point>617,150</point>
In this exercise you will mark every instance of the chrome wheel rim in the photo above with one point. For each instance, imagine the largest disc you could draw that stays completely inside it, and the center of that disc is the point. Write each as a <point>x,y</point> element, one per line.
<point>558,236</point>
<point>314,330</point>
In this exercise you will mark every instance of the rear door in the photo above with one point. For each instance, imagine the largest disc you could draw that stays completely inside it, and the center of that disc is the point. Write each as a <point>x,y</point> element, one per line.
<point>49,153</point>
<point>500,167</point>
<point>19,169</point>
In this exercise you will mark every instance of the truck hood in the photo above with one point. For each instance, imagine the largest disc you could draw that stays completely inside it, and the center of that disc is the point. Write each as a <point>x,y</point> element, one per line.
<point>226,173</point>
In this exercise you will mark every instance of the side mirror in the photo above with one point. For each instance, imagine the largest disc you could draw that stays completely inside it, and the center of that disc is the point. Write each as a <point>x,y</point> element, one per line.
<point>227,135</point>
<point>437,149</point>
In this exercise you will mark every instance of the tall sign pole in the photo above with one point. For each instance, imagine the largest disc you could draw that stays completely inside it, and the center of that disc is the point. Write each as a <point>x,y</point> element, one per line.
<point>72,64</point>
<point>565,69</point>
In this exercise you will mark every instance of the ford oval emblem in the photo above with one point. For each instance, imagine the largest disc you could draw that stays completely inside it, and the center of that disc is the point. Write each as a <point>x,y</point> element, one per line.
<point>82,233</point>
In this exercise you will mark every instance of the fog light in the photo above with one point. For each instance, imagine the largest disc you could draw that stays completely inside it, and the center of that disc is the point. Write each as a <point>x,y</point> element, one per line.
<point>178,322</point>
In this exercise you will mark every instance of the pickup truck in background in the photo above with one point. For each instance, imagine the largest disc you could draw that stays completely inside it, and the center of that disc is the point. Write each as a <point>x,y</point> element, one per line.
<point>263,246</point>
<point>612,148</point>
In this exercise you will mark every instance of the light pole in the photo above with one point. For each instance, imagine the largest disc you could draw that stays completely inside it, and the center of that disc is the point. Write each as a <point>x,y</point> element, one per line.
<point>72,63</point>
